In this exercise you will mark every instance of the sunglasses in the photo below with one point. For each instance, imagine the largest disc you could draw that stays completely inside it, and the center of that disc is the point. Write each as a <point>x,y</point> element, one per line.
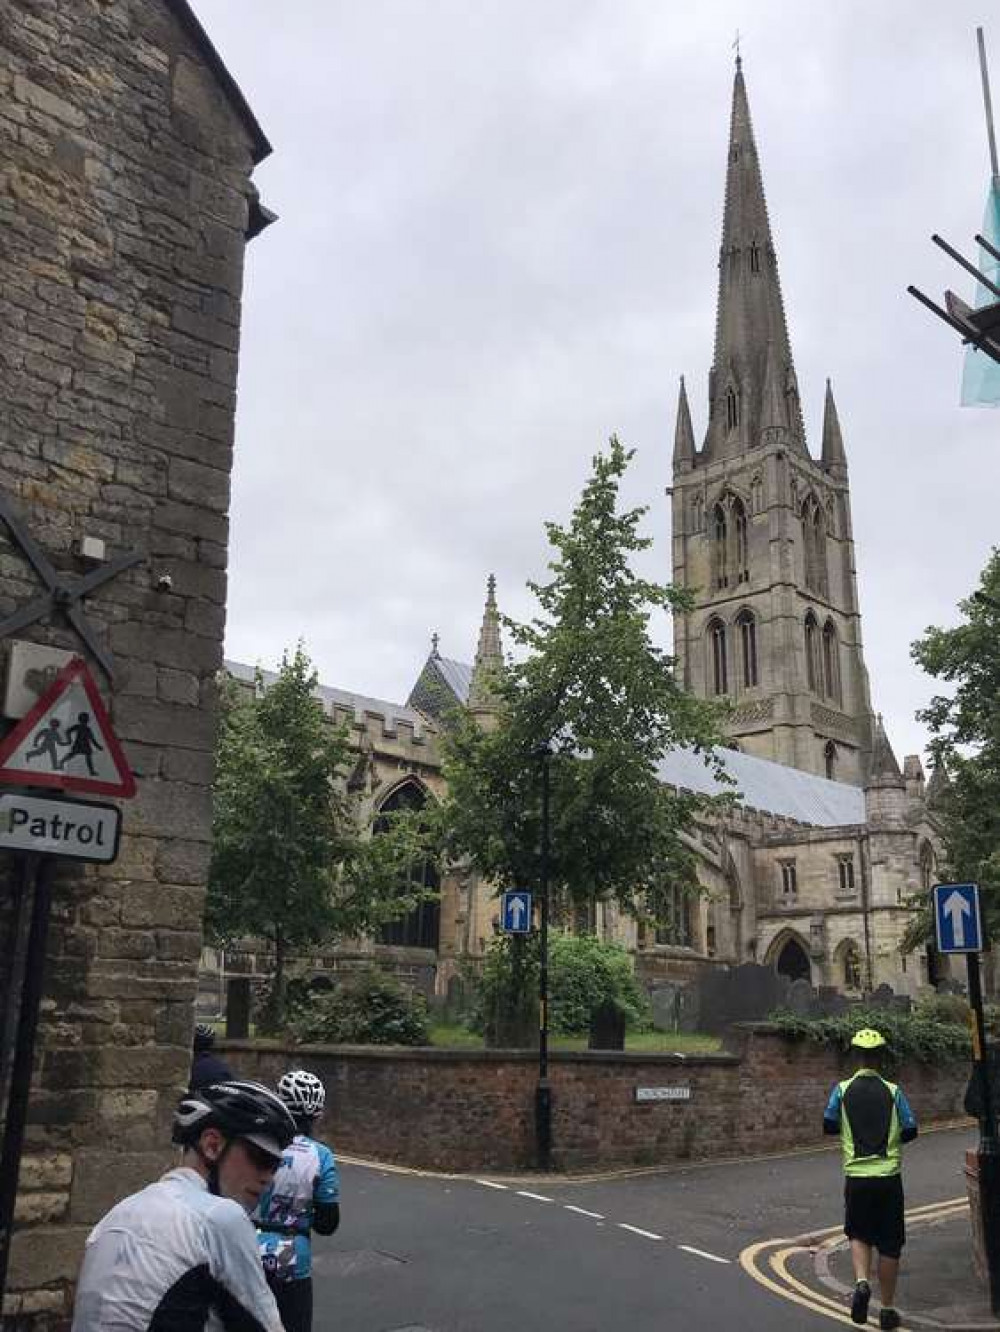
<point>258,1158</point>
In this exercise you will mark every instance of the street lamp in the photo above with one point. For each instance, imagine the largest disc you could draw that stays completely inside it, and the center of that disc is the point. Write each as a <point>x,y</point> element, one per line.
<point>543,1091</point>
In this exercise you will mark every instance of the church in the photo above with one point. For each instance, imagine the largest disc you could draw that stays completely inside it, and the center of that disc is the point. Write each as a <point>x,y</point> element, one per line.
<point>813,870</point>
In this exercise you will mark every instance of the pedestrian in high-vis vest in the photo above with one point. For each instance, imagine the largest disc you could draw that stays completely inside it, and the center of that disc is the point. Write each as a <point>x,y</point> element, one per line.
<point>874,1119</point>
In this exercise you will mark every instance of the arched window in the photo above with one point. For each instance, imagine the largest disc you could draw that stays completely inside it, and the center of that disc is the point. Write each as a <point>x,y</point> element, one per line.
<point>830,760</point>
<point>831,662</point>
<point>814,545</point>
<point>718,666</point>
<point>793,962</point>
<point>813,674</point>
<point>746,628</point>
<point>742,550</point>
<point>676,928</point>
<point>732,408</point>
<point>720,553</point>
<point>421,927</point>
<point>851,963</point>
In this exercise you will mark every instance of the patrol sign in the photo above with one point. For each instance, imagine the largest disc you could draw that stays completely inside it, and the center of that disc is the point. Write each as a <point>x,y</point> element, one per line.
<point>957,922</point>
<point>55,827</point>
<point>515,913</point>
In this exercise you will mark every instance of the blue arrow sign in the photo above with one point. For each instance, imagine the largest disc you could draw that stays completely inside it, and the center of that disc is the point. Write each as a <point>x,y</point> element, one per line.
<point>515,913</point>
<point>957,922</point>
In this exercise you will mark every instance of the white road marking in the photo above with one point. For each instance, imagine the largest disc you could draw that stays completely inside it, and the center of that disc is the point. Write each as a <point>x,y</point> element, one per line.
<point>538,1197</point>
<point>583,1211</point>
<point>489,1184</point>
<point>712,1257</point>
<point>646,1234</point>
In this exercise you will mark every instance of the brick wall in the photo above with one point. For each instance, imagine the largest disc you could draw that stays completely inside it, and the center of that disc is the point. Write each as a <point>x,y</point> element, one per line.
<point>124,172</point>
<point>474,1110</point>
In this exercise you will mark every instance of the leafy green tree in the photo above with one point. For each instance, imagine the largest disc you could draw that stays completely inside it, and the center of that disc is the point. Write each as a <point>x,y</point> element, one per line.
<point>290,862</point>
<point>590,683</point>
<point>965,731</point>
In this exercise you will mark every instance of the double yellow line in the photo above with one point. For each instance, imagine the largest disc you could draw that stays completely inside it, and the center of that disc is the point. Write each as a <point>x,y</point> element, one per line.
<point>767,1261</point>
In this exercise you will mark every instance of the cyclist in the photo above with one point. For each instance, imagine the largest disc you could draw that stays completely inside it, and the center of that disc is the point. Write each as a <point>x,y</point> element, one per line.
<point>874,1119</point>
<point>206,1066</point>
<point>305,1196</point>
<point>181,1253</point>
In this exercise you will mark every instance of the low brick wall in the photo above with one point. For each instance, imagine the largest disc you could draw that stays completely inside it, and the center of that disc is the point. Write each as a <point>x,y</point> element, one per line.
<point>474,1109</point>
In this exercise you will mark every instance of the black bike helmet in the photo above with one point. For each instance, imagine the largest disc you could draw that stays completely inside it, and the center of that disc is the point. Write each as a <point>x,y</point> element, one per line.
<point>238,1110</point>
<point>204,1037</point>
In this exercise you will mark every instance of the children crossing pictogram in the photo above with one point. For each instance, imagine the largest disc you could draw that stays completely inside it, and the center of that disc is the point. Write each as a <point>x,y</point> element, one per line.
<point>66,741</point>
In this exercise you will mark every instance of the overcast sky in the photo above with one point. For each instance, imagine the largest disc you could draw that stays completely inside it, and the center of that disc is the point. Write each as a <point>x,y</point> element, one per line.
<point>498,236</point>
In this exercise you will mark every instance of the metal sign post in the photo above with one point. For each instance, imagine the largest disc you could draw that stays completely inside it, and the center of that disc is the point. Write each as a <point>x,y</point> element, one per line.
<point>543,1092</point>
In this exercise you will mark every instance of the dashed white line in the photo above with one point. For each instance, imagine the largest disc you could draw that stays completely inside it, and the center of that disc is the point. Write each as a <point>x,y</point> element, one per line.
<point>538,1197</point>
<point>712,1257</point>
<point>597,1216</point>
<point>646,1234</point>
<point>489,1184</point>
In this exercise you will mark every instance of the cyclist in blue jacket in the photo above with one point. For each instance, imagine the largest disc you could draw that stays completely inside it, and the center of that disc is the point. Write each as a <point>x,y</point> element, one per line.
<point>304,1196</point>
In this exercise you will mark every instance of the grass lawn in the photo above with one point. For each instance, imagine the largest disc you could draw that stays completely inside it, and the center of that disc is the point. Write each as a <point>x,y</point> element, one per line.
<point>454,1037</point>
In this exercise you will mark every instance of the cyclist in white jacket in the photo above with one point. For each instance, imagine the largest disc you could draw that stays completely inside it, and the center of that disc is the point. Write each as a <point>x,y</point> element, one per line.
<point>181,1255</point>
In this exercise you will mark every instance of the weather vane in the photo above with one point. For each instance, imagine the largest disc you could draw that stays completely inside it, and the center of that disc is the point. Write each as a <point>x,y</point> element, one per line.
<point>736,46</point>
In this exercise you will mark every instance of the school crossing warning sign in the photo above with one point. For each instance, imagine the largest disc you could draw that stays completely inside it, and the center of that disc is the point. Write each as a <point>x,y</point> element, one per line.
<point>66,741</point>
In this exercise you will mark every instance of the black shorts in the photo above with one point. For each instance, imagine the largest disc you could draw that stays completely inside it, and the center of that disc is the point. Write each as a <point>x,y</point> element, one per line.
<point>873,1212</point>
<point>295,1303</point>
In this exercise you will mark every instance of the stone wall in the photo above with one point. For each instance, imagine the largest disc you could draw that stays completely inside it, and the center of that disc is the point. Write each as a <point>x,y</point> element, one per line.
<point>125,156</point>
<point>474,1110</point>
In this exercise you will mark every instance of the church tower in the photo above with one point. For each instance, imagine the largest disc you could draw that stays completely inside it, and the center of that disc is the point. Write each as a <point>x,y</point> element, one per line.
<point>762,530</point>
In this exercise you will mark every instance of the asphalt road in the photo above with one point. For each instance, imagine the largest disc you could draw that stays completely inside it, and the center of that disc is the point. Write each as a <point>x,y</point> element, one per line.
<point>419,1253</point>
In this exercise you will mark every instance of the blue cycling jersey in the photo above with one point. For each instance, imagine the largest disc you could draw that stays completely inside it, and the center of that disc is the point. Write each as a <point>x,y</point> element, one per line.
<point>307,1176</point>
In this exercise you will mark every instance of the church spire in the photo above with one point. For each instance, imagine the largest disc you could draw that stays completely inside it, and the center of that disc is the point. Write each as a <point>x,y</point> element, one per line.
<point>833,441</point>
<point>683,434</point>
<point>750,315</point>
<point>489,656</point>
<point>884,765</point>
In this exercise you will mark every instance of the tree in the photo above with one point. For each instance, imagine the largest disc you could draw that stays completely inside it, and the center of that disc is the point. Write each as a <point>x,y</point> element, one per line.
<point>965,731</point>
<point>290,862</point>
<point>591,685</point>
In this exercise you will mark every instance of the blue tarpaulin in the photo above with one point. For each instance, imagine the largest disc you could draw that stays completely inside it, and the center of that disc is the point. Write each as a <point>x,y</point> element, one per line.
<point>981,375</point>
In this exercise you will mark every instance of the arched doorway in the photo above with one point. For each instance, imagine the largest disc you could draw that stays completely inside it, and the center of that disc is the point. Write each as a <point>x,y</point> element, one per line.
<point>421,927</point>
<point>793,961</point>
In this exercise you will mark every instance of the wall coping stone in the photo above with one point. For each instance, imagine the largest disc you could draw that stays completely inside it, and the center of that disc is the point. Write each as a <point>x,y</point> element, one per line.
<point>432,1054</point>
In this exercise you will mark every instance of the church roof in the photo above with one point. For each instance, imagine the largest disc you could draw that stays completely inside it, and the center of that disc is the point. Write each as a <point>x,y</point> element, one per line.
<point>769,787</point>
<point>457,676</point>
<point>358,704</point>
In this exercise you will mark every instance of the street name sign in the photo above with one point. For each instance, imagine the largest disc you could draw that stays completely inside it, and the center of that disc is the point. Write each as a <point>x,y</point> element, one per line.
<point>53,826</point>
<point>515,913</point>
<point>957,921</point>
<point>66,741</point>
<point>663,1093</point>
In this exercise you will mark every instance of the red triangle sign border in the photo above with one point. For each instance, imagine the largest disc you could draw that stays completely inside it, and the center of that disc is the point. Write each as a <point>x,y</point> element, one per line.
<point>75,670</point>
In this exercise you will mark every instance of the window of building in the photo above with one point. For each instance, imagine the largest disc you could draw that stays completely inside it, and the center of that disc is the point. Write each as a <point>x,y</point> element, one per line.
<point>788,881</point>
<point>852,967</point>
<point>831,662</point>
<point>830,760</point>
<point>814,545</point>
<point>421,927</point>
<point>755,258</point>
<point>812,652</point>
<point>720,553</point>
<point>746,627</point>
<point>676,929</point>
<point>845,876</point>
<point>718,666</point>
<point>742,551</point>
<point>732,408</point>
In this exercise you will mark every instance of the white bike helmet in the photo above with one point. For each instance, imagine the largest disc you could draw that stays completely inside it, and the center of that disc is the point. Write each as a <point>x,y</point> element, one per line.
<point>303,1093</point>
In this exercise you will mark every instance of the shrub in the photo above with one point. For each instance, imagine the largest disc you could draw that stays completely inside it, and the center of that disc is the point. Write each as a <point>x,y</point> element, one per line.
<point>921,1034</point>
<point>368,1008</point>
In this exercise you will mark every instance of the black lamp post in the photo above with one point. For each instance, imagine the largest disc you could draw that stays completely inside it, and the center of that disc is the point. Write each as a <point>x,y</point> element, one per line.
<point>543,1091</point>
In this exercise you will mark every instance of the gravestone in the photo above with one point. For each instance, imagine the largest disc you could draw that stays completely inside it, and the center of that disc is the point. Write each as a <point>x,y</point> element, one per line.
<point>238,1008</point>
<point>800,997</point>
<point>666,1005</point>
<point>607,1027</point>
<point>747,993</point>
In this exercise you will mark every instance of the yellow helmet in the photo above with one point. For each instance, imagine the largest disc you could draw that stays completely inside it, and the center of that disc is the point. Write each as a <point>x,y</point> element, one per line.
<point>868,1039</point>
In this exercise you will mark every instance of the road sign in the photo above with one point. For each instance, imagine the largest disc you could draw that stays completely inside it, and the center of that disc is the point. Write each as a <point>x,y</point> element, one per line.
<point>957,921</point>
<point>66,741</point>
<point>515,913</point>
<point>59,827</point>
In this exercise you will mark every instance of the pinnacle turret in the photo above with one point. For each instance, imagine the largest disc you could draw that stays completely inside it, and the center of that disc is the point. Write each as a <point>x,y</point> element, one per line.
<point>833,455</point>
<point>489,655</point>
<point>750,324</point>
<point>684,447</point>
<point>884,765</point>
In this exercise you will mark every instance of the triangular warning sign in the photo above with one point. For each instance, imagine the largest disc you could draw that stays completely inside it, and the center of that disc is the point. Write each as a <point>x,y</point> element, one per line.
<point>66,741</point>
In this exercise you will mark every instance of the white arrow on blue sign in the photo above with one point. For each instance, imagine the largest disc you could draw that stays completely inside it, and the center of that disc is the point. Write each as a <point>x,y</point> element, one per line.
<point>957,921</point>
<point>515,913</point>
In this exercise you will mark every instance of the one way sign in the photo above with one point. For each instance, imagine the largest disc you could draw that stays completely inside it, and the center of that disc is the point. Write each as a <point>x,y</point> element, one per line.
<point>515,913</point>
<point>957,921</point>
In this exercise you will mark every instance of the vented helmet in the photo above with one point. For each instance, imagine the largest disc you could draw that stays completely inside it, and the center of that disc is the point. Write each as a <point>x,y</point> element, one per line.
<point>238,1110</point>
<point>204,1036</point>
<point>303,1093</point>
<point>868,1039</point>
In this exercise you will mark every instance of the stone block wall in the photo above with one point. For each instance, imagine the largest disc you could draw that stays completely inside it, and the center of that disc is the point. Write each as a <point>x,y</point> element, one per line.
<point>474,1110</point>
<point>125,157</point>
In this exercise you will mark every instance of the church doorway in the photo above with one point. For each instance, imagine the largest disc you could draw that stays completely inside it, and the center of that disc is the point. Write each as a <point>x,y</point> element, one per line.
<point>793,962</point>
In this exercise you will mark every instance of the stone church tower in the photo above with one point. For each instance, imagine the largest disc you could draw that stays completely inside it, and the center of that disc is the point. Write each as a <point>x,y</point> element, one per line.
<point>761,529</point>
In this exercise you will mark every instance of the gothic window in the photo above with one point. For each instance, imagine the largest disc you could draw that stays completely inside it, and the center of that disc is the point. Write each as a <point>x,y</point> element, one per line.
<point>845,876</point>
<point>742,552</point>
<point>755,258</point>
<point>746,628</point>
<point>831,662</point>
<point>697,512</point>
<point>718,666</point>
<point>814,545</point>
<point>732,408</point>
<point>813,673</point>
<point>788,882</point>
<point>830,760</point>
<point>420,928</point>
<point>851,959</point>
<point>720,554</point>
<point>793,962</point>
<point>676,928</point>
